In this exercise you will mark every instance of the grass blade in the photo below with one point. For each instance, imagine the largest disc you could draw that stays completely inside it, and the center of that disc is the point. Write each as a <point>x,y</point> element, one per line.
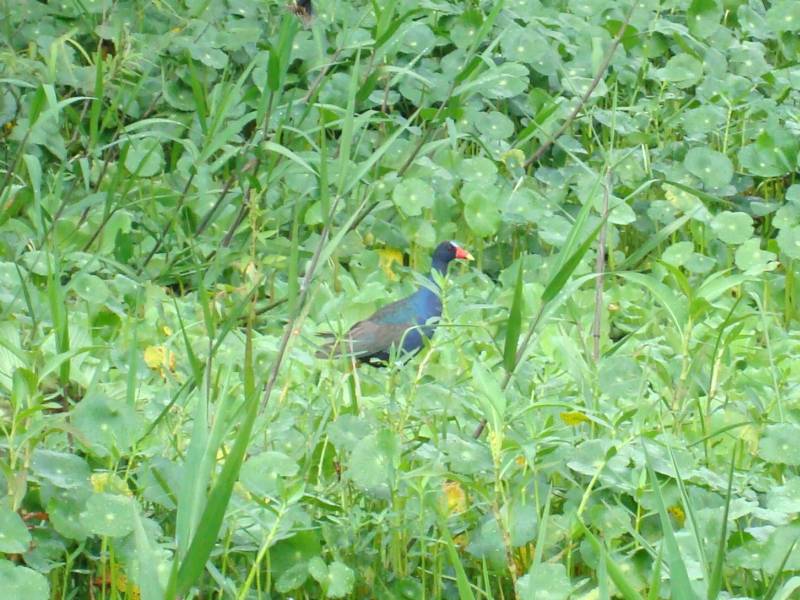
<point>514,322</point>
<point>464,589</point>
<point>715,581</point>
<point>617,576</point>
<point>559,280</point>
<point>679,576</point>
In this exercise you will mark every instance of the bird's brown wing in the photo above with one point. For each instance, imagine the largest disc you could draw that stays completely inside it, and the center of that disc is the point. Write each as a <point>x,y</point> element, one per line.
<point>366,338</point>
<point>373,335</point>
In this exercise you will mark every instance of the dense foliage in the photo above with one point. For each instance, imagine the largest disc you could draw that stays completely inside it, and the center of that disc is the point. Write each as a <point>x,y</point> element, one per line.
<point>191,191</point>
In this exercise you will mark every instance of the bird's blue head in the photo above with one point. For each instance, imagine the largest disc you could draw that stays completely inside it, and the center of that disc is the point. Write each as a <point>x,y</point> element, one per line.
<point>447,251</point>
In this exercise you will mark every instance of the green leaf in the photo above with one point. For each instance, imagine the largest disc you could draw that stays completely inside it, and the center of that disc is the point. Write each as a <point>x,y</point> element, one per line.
<point>789,241</point>
<point>532,48</point>
<point>494,125</point>
<point>504,81</point>
<point>107,424</point>
<point>374,460</point>
<point>261,473</point>
<point>547,581</point>
<point>22,582</point>
<point>733,227</point>
<point>14,536</point>
<point>292,578</point>
<point>63,470</point>
<point>478,169</point>
<point>678,253</point>
<point>713,168</point>
<point>682,70</point>
<point>703,17</point>
<point>491,395</point>
<point>145,157</point>
<point>750,257</point>
<point>784,15</point>
<point>90,287</point>
<point>109,515</point>
<point>413,195</point>
<point>676,308</point>
<point>779,444</point>
<point>336,579</point>
<point>149,561</point>
<point>773,154</point>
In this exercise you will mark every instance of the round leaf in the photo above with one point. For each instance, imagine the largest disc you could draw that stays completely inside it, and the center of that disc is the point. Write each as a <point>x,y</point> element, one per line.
<point>145,157</point>
<point>682,70</point>
<point>262,472</point>
<point>107,423</point>
<point>478,168</point>
<point>14,536</point>
<point>412,195</point>
<point>779,444</point>
<point>90,287</point>
<point>789,241</point>
<point>60,469</point>
<point>784,16</point>
<point>733,227</point>
<point>417,38</point>
<point>292,578</point>
<point>703,119</point>
<point>546,581</point>
<point>468,457</point>
<point>480,208</point>
<point>713,168</point>
<point>22,582</point>
<point>494,125</point>
<point>340,580</point>
<point>532,48</point>
<point>750,257</point>
<point>109,515</point>
<point>373,459</point>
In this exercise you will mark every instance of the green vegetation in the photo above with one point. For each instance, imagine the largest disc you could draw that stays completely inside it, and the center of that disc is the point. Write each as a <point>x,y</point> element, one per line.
<point>191,191</point>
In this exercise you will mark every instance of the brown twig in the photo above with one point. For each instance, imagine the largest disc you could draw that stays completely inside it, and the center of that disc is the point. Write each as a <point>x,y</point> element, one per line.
<point>536,156</point>
<point>600,267</point>
<point>304,288</point>
<point>595,82</point>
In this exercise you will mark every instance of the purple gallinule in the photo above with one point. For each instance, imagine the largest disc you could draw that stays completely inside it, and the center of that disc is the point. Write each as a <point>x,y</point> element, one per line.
<point>403,324</point>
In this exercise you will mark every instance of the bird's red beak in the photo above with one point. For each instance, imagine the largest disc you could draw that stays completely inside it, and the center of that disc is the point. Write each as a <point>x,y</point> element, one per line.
<point>463,254</point>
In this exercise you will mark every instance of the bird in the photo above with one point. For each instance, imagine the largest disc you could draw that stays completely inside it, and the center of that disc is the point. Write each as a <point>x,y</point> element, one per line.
<point>403,325</point>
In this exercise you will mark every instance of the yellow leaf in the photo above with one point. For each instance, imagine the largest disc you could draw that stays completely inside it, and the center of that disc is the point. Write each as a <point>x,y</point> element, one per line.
<point>677,514</point>
<point>159,359</point>
<point>513,159</point>
<point>126,586</point>
<point>154,357</point>
<point>167,330</point>
<point>109,482</point>
<point>573,418</point>
<point>750,436</point>
<point>455,496</point>
<point>386,258</point>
